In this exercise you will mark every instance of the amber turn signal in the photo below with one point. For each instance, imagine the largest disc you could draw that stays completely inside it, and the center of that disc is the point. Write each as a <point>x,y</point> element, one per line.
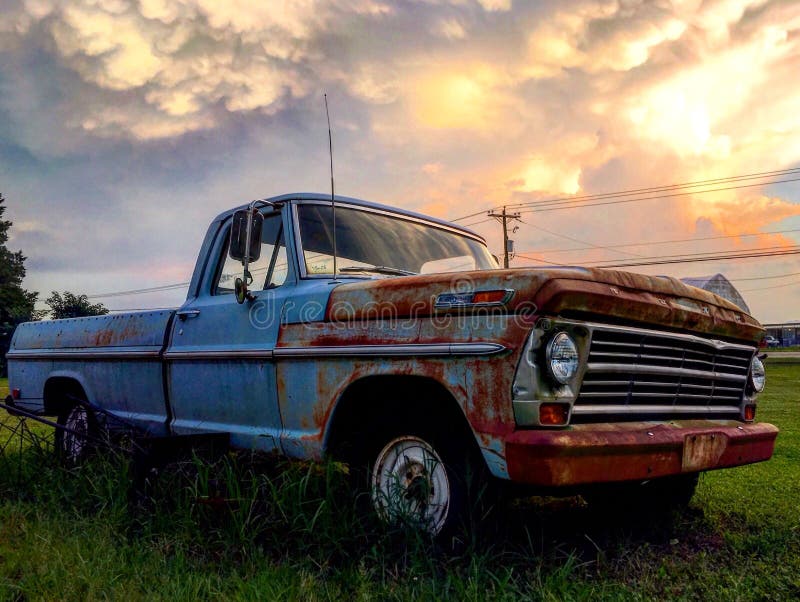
<point>750,412</point>
<point>482,297</point>
<point>553,414</point>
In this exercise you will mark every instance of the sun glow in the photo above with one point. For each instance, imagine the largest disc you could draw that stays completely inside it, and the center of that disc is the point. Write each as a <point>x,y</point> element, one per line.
<point>454,100</point>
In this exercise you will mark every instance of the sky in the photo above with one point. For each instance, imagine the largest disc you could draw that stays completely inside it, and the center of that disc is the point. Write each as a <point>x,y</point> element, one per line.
<point>127,125</point>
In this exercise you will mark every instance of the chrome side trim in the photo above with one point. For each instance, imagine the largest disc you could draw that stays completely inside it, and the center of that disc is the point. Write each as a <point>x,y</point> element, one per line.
<point>342,351</point>
<point>219,354</point>
<point>83,354</point>
<point>422,349</point>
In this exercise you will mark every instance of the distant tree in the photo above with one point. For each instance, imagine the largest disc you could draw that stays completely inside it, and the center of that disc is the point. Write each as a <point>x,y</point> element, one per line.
<point>16,304</point>
<point>70,305</point>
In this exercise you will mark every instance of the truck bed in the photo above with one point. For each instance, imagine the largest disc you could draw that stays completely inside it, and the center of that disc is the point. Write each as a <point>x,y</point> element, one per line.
<point>116,358</point>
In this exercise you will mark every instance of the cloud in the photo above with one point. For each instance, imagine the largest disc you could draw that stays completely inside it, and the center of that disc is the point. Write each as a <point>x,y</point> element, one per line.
<point>123,117</point>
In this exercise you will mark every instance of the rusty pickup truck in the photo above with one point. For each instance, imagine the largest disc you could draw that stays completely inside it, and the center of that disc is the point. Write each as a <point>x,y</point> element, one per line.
<point>389,339</point>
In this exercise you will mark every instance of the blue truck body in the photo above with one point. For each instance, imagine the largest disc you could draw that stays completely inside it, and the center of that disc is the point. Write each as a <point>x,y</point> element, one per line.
<point>664,376</point>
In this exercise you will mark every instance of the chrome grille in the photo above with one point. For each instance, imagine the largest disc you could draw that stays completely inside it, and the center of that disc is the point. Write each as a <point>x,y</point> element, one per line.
<point>634,374</point>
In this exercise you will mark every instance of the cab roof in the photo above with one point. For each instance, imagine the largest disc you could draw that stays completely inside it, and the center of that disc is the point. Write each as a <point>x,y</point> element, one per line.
<point>344,200</point>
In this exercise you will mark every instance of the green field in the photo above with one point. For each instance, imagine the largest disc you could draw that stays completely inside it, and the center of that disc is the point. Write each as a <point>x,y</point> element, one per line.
<point>293,532</point>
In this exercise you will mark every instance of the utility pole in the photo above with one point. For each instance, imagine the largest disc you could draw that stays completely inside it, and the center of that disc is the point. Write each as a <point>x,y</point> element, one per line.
<point>507,244</point>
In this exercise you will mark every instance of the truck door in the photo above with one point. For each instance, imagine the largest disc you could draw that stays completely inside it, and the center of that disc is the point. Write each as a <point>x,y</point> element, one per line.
<point>221,373</point>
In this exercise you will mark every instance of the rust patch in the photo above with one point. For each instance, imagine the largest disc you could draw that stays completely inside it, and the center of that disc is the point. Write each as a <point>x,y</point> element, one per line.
<point>103,338</point>
<point>574,297</point>
<point>628,452</point>
<point>623,295</point>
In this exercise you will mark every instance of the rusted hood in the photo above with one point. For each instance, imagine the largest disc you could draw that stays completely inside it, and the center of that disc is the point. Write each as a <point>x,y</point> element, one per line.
<point>591,293</point>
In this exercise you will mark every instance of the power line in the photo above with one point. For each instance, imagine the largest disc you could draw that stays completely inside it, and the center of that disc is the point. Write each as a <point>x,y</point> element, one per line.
<point>699,257</point>
<point>139,291</point>
<point>765,277</point>
<point>653,242</point>
<point>765,288</point>
<point>563,203</point>
<point>641,191</point>
<point>590,245</point>
<point>722,252</point>
<point>686,258</point>
<point>683,259</point>
<point>537,259</point>
<point>483,221</point>
<point>477,213</point>
<point>578,202</point>
<point>556,206</point>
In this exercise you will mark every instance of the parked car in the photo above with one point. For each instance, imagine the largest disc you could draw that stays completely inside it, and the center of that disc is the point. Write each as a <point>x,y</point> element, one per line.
<point>391,340</point>
<point>772,341</point>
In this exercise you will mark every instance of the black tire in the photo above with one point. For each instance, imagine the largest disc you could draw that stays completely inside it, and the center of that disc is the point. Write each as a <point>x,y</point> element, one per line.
<point>77,440</point>
<point>657,496</point>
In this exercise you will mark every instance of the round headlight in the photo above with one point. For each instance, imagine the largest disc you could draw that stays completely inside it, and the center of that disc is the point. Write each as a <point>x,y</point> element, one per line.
<point>562,357</point>
<point>758,375</point>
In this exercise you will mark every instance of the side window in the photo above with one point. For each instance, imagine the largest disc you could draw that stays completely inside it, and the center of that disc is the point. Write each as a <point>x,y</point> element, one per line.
<point>271,268</point>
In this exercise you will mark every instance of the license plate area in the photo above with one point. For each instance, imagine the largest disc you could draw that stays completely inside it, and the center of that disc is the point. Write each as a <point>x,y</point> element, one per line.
<point>703,451</point>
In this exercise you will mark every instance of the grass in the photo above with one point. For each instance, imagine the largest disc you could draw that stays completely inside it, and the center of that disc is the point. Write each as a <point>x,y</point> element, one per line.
<point>293,531</point>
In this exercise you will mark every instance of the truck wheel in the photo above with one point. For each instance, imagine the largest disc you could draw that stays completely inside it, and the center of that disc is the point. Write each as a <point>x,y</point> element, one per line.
<point>74,446</point>
<point>419,484</point>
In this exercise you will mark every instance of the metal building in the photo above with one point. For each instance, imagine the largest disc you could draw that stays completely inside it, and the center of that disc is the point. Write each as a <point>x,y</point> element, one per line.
<point>719,285</point>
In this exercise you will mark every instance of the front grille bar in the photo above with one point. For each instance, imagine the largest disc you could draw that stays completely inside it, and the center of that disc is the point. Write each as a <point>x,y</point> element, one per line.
<point>636,373</point>
<point>583,410</point>
<point>663,371</point>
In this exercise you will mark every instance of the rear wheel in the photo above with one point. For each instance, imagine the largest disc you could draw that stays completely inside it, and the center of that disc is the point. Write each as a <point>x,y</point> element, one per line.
<point>75,442</point>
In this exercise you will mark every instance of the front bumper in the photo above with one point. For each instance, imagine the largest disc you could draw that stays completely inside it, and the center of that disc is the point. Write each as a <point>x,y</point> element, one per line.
<point>602,453</point>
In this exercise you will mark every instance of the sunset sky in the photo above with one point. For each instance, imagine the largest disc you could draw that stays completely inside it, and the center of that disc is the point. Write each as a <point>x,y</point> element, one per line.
<point>125,126</point>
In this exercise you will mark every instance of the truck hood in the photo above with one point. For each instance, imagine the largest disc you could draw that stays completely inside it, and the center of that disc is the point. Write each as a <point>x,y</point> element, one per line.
<point>583,293</point>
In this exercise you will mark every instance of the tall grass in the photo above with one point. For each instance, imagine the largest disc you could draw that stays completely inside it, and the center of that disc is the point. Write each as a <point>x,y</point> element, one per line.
<point>246,526</point>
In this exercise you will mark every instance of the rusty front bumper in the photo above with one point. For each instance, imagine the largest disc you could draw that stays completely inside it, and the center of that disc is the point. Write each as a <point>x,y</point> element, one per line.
<point>599,453</point>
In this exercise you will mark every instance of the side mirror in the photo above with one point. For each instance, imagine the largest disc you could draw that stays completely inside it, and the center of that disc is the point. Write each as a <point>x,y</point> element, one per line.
<point>238,244</point>
<point>242,294</point>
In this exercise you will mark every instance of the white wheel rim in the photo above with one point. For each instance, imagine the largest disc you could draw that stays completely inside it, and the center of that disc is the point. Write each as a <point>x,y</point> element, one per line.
<point>74,443</point>
<point>410,485</point>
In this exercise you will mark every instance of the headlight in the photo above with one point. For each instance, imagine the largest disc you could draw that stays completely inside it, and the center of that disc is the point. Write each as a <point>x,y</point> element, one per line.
<point>757,376</point>
<point>562,358</point>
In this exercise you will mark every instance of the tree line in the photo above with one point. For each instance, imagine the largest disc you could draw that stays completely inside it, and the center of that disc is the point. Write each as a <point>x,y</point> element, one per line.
<point>18,305</point>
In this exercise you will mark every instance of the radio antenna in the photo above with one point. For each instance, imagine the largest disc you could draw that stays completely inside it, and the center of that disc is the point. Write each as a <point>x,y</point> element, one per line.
<point>333,204</point>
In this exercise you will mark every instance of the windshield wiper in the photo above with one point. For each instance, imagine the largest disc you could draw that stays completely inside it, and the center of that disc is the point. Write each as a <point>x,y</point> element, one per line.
<point>377,269</point>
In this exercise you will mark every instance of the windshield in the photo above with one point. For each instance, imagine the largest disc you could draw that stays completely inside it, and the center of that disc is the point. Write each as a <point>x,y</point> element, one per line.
<point>384,244</point>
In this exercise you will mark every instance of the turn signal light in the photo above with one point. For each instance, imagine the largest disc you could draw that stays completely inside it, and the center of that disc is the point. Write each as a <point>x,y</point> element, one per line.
<point>473,299</point>
<point>15,394</point>
<point>489,297</point>
<point>750,412</point>
<point>553,414</point>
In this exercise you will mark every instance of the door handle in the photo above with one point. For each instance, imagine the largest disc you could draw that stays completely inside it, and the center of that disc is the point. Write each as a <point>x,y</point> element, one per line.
<point>185,314</point>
